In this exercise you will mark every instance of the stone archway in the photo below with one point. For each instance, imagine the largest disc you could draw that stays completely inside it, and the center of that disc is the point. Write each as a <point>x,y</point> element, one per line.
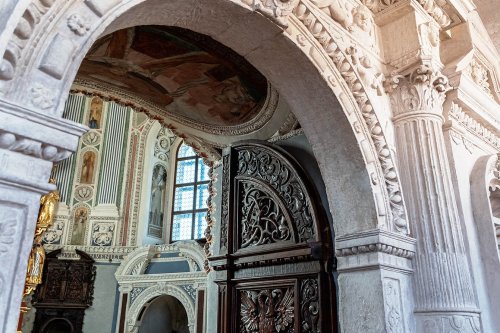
<point>159,290</point>
<point>306,60</point>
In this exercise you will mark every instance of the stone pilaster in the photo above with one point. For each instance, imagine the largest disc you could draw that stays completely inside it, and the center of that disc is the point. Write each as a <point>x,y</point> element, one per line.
<point>381,262</point>
<point>445,300</point>
<point>29,145</point>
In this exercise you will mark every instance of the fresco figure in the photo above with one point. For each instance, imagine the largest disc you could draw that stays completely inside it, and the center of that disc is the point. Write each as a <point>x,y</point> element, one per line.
<point>157,196</point>
<point>95,113</point>
<point>88,166</point>
<point>79,226</point>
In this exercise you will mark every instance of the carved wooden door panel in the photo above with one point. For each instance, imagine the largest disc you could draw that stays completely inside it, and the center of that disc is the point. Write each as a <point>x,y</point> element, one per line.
<point>274,260</point>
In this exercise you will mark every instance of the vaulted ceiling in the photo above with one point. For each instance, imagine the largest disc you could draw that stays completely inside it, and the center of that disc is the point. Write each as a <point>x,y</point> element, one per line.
<point>187,74</point>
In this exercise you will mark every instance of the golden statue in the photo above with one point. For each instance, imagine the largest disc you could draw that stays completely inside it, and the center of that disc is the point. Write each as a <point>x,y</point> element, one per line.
<point>48,205</point>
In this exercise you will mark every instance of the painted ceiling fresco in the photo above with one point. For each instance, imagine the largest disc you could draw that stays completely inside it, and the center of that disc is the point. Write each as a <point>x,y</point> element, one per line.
<point>188,74</point>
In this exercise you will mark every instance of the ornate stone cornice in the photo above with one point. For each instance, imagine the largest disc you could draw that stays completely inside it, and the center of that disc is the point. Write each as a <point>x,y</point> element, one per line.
<point>423,91</point>
<point>375,241</point>
<point>31,147</point>
<point>375,248</point>
<point>435,10</point>
<point>98,253</point>
<point>472,125</point>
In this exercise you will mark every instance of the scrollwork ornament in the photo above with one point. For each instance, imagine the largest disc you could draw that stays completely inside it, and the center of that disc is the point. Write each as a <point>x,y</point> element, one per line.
<point>262,220</point>
<point>263,165</point>
<point>309,306</point>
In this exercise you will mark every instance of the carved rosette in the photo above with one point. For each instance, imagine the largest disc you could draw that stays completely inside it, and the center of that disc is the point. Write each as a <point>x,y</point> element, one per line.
<point>423,91</point>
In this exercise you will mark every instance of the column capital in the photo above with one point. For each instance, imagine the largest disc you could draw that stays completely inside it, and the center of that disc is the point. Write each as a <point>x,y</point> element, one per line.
<point>419,93</point>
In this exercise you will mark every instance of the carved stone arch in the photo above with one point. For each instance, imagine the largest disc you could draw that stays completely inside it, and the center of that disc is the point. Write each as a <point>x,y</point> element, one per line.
<point>484,182</point>
<point>328,67</point>
<point>192,250</point>
<point>161,289</point>
<point>136,262</point>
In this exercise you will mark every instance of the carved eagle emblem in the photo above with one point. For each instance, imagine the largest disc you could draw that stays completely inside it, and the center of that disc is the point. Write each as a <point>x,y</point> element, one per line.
<point>267,311</point>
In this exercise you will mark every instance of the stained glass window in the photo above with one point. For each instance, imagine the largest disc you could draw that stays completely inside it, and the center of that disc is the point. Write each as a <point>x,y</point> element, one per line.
<point>190,196</point>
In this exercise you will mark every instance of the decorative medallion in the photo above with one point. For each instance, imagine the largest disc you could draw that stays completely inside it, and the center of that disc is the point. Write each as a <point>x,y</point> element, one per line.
<point>91,138</point>
<point>84,193</point>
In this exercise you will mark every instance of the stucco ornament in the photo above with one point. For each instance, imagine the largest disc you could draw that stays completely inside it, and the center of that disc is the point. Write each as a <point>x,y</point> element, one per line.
<point>276,10</point>
<point>422,90</point>
<point>340,11</point>
<point>78,24</point>
<point>368,73</point>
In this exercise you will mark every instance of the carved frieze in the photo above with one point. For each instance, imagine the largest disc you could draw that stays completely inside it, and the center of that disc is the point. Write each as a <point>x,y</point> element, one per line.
<point>267,310</point>
<point>456,112</point>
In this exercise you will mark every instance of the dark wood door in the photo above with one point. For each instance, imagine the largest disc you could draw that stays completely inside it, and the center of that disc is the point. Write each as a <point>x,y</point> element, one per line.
<point>275,258</point>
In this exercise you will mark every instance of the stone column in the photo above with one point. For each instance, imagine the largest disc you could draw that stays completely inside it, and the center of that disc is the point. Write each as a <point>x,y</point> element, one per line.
<point>445,300</point>
<point>29,144</point>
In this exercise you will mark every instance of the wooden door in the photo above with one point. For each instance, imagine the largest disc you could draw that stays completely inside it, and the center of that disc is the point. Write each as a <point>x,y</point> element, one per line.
<point>275,258</point>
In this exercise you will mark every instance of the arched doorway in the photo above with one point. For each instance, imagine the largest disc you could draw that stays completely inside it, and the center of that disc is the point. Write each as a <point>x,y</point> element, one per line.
<point>301,63</point>
<point>58,326</point>
<point>163,314</point>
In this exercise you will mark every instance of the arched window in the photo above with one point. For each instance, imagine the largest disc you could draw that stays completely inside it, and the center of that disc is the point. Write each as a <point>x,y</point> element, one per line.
<point>190,195</point>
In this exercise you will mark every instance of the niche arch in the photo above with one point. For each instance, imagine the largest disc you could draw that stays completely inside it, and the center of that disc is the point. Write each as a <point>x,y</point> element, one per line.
<point>151,293</point>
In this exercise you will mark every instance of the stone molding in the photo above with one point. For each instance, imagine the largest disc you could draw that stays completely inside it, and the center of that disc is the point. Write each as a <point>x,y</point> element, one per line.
<point>458,116</point>
<point>31,134</point>
<point>104,254</point>
<point>137,261</point>
<point>374,249</point>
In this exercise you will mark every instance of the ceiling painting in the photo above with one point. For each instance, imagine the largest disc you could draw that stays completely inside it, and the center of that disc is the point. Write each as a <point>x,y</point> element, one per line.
<point>187,74</point>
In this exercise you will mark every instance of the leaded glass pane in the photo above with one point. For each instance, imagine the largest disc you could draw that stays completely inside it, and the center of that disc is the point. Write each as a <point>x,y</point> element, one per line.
<point>185,171</point>
<point>182,226</point>
<point>201,196</point>
<point>185,151</point>
<point>183,198</point>
<point>200,224</point>
<point>202,171</point>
